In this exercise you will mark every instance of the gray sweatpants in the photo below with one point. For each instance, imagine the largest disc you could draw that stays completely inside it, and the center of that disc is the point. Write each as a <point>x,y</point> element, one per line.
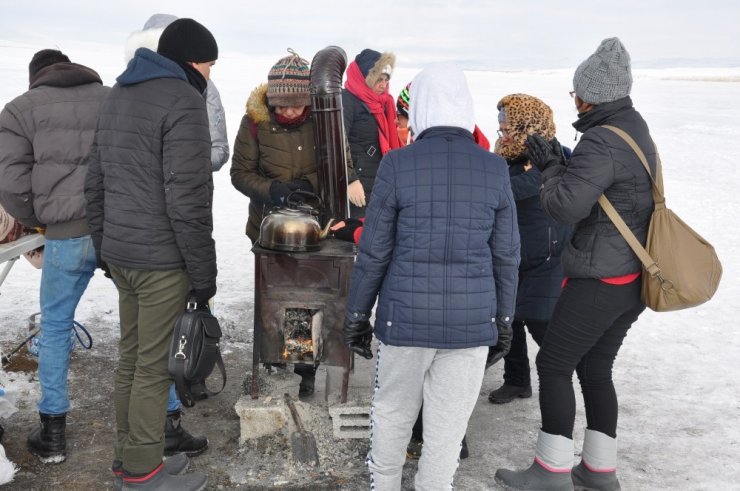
<point>447,381</point>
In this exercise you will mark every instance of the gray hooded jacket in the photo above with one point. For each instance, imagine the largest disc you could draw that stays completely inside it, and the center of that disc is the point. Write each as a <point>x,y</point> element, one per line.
<point>45,137</point>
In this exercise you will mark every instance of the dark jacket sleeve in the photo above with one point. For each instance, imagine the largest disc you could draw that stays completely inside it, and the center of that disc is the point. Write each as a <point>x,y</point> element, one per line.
<point>188,184</point>
<point>95,196</point>
<point>376,244</point>
<point>16,167</point>
<point>245,170</point>
<point>569,192</point>
<point>505,249</point>
<point>526,184</point>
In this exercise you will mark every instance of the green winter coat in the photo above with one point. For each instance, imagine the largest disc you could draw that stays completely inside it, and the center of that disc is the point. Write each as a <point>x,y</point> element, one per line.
<point>278,153</point>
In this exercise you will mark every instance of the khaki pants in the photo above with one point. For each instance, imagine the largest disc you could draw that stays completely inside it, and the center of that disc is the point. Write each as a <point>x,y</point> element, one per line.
<point>149,303</point>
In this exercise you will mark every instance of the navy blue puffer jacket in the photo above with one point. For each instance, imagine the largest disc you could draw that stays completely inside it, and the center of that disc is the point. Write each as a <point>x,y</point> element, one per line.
<point>440,246</point>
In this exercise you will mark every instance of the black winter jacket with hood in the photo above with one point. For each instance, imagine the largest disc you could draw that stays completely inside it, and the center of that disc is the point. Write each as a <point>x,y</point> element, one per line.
<point>602,163</point>
<point>149,185</point>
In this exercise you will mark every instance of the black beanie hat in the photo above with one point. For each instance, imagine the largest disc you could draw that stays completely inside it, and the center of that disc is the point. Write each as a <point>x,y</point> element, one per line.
<point>186,40</point>
<point>44,58</point>
<point>366,60</point>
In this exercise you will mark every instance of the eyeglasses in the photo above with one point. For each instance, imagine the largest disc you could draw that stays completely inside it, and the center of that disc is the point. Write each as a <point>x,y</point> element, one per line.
<point>502,133</point>
<point>572,93</point>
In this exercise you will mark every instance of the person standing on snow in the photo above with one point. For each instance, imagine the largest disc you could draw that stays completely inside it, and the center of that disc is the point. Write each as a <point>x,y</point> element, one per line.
<point>150,192</point>
<point>601,299</point>
<point>176,438</point>
<point>369,122</point>
<point>45,136</point>
<point>543,239</point>
<point>440,253</point>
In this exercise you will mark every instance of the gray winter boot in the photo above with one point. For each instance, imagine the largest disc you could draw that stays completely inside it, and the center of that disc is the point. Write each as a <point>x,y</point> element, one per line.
<point>598,468</point>
<point>550,470</point>
<point>174,465</point>
<point>160,480</point>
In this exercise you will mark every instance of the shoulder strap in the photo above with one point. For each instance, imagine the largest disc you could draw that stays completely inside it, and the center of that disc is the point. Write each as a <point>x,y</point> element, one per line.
<point>657,181</point>
<point>647,261</point>
<point>651,266</point>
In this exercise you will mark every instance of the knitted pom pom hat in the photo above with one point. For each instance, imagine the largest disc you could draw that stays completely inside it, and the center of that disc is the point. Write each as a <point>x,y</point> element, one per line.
<point>289,82</point>
<point>402,103</point>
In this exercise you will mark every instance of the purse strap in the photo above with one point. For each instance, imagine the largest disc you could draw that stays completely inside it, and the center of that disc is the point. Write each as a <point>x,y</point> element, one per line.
<point>651,266</point>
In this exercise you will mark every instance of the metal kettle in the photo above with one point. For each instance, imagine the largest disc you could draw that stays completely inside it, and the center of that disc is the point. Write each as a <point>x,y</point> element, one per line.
<point>294,227</point>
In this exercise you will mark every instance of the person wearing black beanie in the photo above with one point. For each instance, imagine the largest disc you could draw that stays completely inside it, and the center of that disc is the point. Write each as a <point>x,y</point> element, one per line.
<point>157,125</point>
<point>193,47</point>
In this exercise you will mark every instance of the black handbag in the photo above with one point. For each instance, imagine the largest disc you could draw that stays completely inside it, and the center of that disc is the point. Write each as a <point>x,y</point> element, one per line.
<point>195,351</point>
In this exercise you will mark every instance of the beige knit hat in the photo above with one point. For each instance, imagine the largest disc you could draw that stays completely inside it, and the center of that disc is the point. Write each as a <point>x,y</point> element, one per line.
<point>289,82</point>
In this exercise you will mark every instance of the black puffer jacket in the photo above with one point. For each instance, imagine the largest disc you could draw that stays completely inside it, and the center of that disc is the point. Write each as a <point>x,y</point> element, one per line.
<point>362,132</point>
<point>149,186</point>
<point>602,163</point>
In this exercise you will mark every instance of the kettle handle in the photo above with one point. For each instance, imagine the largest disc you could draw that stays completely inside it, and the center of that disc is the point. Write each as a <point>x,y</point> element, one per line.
<point>308,194</point>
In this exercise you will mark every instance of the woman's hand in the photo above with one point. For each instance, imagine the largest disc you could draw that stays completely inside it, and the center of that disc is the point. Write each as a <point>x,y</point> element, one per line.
<point>356,194</point>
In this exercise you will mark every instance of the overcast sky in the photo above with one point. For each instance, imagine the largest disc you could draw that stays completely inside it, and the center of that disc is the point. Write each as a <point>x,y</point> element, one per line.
<point>491,35</point>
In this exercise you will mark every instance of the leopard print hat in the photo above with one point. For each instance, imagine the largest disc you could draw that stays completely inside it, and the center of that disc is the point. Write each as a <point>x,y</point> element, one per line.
<point>525,115</point>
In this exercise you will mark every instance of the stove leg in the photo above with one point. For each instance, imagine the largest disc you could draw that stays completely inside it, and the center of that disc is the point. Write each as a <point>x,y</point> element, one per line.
<point>345,379</point>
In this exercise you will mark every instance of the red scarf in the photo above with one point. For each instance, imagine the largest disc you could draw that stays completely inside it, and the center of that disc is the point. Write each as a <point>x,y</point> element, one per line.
<point>295,122</point>
<point>382,106</point>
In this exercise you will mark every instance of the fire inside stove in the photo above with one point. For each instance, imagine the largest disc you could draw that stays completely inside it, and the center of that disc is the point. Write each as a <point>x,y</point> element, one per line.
<point>301,329</point>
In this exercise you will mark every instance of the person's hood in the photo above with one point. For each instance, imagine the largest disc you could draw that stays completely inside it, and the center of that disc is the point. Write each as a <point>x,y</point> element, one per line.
<point>148,65</point>
<point>148,37</point>
<point>439,96</point>
<point>65,74</point>
<point>257,108</point>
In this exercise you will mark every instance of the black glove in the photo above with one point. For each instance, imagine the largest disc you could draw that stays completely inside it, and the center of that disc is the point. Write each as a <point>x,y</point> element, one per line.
<point>99,263</point>
<point>348,231</point>
<point>278,192</point>
<point>203,295</point>
<point>503,345</point>
<point>542,153</point>
<point>301,184</point>
<point>357,337</point>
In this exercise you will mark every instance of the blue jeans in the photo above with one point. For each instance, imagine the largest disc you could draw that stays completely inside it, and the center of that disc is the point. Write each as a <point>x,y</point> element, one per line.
<point>173,404</point>
<point>68,266</point>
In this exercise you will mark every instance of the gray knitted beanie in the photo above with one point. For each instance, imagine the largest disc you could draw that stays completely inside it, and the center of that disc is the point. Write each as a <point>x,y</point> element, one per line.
<point>606,75</point>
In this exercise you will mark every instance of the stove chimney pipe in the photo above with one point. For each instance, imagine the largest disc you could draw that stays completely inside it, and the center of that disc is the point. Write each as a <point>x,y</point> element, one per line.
<point>327,69</point>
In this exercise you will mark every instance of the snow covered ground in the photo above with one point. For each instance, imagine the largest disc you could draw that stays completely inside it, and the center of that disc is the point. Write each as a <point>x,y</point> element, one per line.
<point>678,373</point>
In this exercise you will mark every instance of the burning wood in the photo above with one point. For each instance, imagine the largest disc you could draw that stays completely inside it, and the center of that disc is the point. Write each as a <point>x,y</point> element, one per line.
<point>298,334</point>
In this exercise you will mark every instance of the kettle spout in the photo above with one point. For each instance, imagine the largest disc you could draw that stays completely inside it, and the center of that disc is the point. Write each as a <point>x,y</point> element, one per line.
<point>325,232</point>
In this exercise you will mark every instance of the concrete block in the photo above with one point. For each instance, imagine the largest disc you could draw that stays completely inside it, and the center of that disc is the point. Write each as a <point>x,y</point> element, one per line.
<point>259,417</point>
<point>350,420</point>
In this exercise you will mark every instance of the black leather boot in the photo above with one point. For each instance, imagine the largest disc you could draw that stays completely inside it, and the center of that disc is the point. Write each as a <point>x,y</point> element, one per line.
<point>308,378</point>
<point>178,440</point>
<point>48,442</point>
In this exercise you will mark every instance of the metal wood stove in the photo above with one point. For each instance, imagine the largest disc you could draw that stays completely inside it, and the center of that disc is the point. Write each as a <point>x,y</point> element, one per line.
<point>300,297</point>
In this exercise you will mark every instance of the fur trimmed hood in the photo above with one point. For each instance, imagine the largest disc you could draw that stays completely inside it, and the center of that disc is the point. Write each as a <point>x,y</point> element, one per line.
<point>257,108</point>
<point>385,65</point>
<point>149,36</point>
<point>142,39</point>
